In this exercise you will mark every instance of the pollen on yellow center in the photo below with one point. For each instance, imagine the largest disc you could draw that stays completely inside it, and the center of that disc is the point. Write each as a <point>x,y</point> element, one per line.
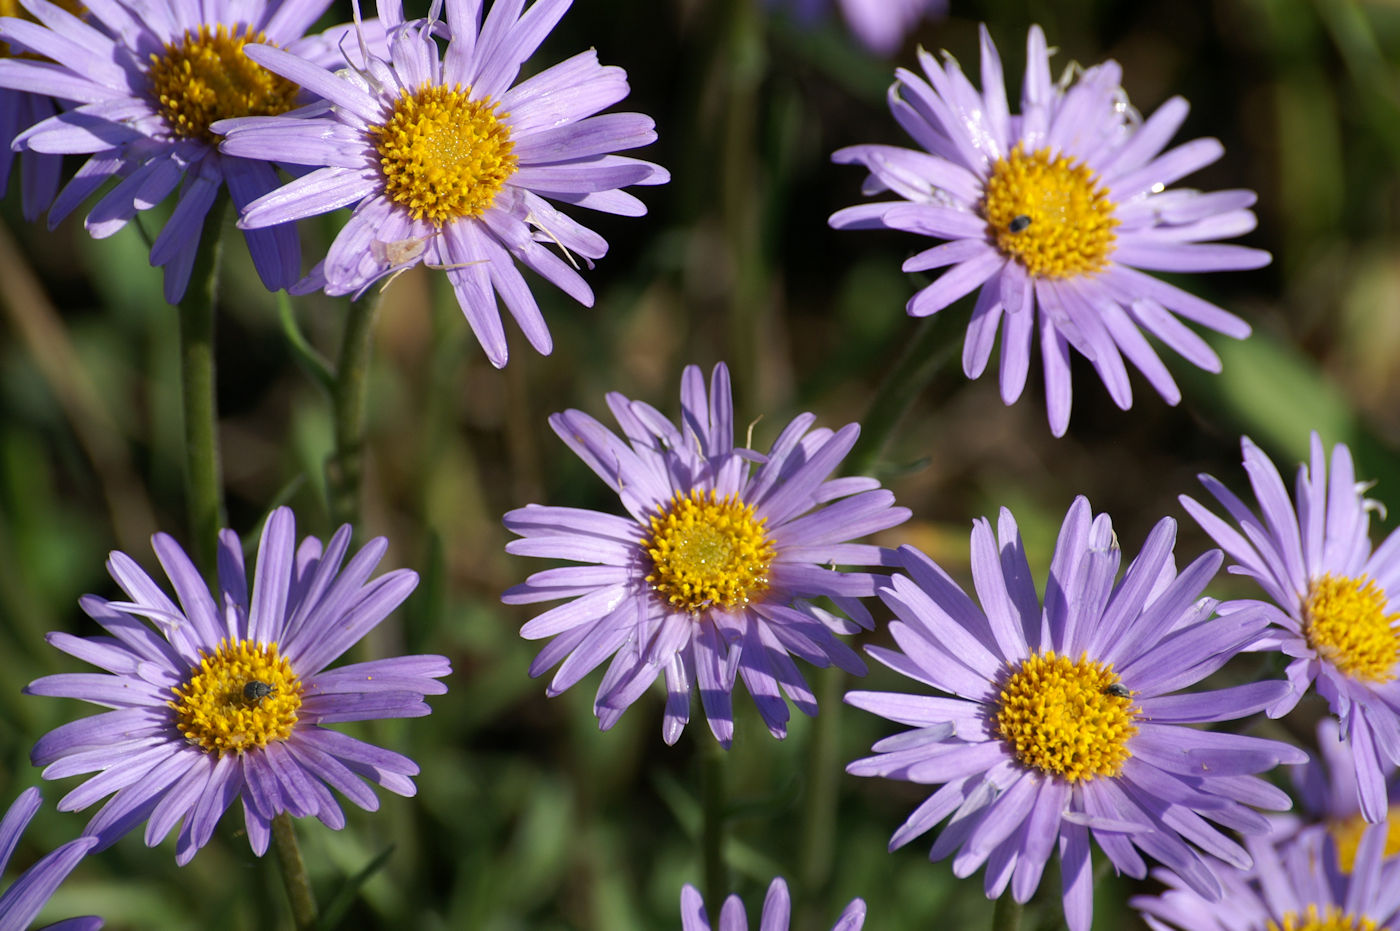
<point>12,8</point>
<point>242,698</point>
<point>1067,719</point>
<point>1346,834</point>
<point>707,551</point>
<point>1332,918</point>
<point>205,77</point>
<point>1050,213</point>
<point>1345,621</point>
<point>444,156</point>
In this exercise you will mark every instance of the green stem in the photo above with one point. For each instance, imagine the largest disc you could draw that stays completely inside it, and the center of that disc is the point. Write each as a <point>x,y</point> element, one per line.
<point>1007,915</point>
<point>742,64</point>
<point>294,878</point>
<point>823,769</point>
<point>204,487</point>
<point>345,469</point>
<point>712,757</point>
<point>923,356</point>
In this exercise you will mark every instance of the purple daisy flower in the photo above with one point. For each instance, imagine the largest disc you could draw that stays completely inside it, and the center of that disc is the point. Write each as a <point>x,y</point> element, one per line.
<point>777,912</point>
<point>452,166</point>
<point>1327,789</point>
<point>148,79</point>
<point>708,577</point>
<point>1295,885</point>
<point>20,904</point>
<point>880,25</point>
<point>1333,606</point>
<point>228,697</point>
<point>1064,718</point>
<point>1054,214</point>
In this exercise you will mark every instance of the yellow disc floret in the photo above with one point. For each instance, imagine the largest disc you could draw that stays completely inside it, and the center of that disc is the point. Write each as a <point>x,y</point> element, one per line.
<point>1345,621</point>
<point>444,156</point>
<point>707,551</point>
<point>12,8</point>
<point>205,77</point>
<point>242,698</point>
<point>1050,213</point>
<point>1332,918</point>
<point>1067,719</point>
<point>1346,834</point>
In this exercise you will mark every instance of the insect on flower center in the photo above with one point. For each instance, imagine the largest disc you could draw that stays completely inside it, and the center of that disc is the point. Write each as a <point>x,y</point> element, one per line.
<point>707,551</point>
<point>1330,919</point>
<point>12,8</point>
<point>242,698</point>
<point>1050,213</point>
<point>1346,834</point>
<point>444,155</point>
<point>205,77</point>
<point>1067,719</point>
<point>1345,621</point>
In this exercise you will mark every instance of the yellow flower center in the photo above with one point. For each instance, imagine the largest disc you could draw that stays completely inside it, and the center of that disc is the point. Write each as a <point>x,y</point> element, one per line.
<point>444,155</point>
<point>1067,719</point>
<point>1346,834</point>
<point>1050,213</point>
<point>707,551</point>
<point>12,8</point>
<point>1345,621</point>
<point>1332,919</point>
<point>241,698</point>
<point>206,77</point>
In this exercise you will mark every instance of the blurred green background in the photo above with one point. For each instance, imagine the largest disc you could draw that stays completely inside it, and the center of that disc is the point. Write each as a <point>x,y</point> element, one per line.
<point>527,816</point>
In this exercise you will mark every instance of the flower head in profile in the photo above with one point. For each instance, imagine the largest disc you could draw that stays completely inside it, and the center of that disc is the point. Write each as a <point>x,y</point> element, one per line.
<point>229,695</point>
<point>22,901</point>
<point>19,111</point>
<point>777,911</point>
<point>1055,214</point>
<point>1331,598</point>
<point>880,25</point>
<point>147,80</point>
<point>1064,717</point>
<point>1294,885</point>
<point>709,576</point>
<point>450,163</point>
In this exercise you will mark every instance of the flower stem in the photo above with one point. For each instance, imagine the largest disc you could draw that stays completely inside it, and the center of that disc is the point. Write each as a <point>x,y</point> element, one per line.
<point>294,878</point>
<point>203,484</point>
<point>712,802</point>
<point>345,468</point>
<point>823,769</point>
<point>923,356</point>
<point>1007,914</point>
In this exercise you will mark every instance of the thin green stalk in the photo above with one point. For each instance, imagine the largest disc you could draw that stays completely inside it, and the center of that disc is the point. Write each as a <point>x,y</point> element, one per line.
<point>824,767</point>
<point>742,64</point>
<point>294,878</point>
<point>345,469</point>
<point>203,483</point>
<point>1007,915</point>
<point>712,829</point>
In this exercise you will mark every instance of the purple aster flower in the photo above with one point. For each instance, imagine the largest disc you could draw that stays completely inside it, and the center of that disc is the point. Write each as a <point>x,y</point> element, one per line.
<point>707,578</point>
<point>1295,885</point>
<point>452,164</point>
<point>1327,789</point>
<point>229,695</point>
<point>1332,605</point>
<point>1054,214</point>
<point>880,25</point>
<point>1065,717</point>
<point>777,911</point>
<point>148,79</point>
<point>20,903</point>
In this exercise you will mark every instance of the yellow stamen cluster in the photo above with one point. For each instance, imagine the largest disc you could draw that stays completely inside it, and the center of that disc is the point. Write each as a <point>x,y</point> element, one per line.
<point>444,156</point>
<point>1330,919</point>
<point>206,77</point>
<point>1050,213</point>
<point>12,8</point>
<point>707,551</point>
<point>1345,621</point>
<point>1067,719</point>
<point>241,698</point>
<point>1346,834</point>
